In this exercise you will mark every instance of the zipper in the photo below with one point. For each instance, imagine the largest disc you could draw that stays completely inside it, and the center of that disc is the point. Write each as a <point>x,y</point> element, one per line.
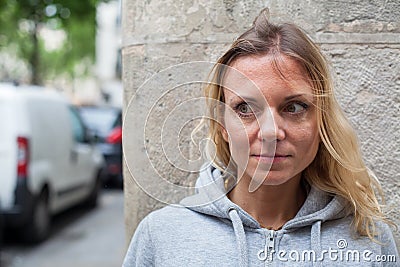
<point>270,246</point>
<point>267,253</point>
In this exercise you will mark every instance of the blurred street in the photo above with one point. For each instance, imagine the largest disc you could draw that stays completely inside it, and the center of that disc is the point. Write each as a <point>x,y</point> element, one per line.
<point>80,237</point>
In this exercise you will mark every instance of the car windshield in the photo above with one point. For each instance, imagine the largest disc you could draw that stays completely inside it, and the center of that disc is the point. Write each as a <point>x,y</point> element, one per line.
<point>102,120</point>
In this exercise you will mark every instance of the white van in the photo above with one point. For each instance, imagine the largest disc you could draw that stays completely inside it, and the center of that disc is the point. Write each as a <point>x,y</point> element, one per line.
<point>47,162</point>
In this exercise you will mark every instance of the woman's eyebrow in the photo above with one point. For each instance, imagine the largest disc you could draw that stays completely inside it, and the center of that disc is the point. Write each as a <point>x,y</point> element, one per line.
<point>242,98</point>
<point>252,99</point>
<point>297,95</point>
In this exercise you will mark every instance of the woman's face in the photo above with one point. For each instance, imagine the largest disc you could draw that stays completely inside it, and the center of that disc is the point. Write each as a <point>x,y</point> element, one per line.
<point>269,121</point>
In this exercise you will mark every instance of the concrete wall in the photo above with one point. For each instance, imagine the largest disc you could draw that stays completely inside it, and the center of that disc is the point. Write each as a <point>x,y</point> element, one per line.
<point>361,38</point>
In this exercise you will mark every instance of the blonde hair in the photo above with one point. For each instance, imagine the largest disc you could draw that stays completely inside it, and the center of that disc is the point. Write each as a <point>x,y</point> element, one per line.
<point>338,167</point>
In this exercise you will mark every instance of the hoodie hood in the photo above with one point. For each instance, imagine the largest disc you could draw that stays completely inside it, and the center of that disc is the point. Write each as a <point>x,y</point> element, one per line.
<point>211,199</point>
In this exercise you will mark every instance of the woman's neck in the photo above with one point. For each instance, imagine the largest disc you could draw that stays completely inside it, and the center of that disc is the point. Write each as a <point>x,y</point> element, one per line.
<point>271,205</point>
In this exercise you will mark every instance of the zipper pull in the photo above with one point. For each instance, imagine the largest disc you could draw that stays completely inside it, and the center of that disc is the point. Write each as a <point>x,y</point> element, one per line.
<point>266,254</point>
<point>270,246</point>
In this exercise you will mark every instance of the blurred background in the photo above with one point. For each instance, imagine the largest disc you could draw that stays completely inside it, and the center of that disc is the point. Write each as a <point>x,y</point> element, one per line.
<point>61,197</point>
<point>72,46</point>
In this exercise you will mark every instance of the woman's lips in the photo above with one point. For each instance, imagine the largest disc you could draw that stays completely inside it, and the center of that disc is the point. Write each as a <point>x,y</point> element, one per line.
<point>271,158</point>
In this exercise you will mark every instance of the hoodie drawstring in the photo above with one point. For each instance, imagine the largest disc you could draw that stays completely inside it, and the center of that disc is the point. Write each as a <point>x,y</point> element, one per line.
<point>316,242</point>
<point>240,236</point>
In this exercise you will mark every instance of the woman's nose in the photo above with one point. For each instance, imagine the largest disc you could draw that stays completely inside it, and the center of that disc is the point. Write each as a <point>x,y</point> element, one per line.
<point>270,127</point>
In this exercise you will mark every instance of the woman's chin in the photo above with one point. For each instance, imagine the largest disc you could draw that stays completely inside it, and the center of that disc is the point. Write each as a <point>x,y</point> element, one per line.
<point>258,178</point>
<point>266,178</point>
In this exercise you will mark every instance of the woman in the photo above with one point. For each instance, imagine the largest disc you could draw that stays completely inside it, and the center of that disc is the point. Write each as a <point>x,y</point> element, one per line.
<point>288,185</point>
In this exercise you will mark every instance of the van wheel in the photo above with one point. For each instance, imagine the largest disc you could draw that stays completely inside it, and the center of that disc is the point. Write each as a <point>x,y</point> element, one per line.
<point>38,227</point>
<point>93,198</point>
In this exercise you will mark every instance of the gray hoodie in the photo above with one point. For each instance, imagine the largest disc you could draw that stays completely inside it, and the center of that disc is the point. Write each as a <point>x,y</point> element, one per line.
<point>207,229</point>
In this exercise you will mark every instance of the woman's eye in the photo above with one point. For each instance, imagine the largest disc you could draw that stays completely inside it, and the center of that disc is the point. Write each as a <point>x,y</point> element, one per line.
<point>296,107</point>
<point>244,108</point>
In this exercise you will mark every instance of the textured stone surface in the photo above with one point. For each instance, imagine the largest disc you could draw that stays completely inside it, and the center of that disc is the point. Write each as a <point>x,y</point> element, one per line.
<point>361,38</point>
<point>368,89</point>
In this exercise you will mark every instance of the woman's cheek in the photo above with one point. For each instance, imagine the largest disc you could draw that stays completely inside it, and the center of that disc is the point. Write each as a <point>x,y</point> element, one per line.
<point>306,136</point>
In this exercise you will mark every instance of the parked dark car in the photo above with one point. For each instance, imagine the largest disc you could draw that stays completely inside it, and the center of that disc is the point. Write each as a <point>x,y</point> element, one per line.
<point>105,123</point>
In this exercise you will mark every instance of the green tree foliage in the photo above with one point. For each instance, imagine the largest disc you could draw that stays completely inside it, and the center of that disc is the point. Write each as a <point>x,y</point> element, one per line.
<point>22,21</point>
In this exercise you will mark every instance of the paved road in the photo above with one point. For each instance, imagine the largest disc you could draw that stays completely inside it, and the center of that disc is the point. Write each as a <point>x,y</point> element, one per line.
<point>80,238</point>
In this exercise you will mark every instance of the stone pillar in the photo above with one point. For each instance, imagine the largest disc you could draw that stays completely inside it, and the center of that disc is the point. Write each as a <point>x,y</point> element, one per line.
<point>361,39</point>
